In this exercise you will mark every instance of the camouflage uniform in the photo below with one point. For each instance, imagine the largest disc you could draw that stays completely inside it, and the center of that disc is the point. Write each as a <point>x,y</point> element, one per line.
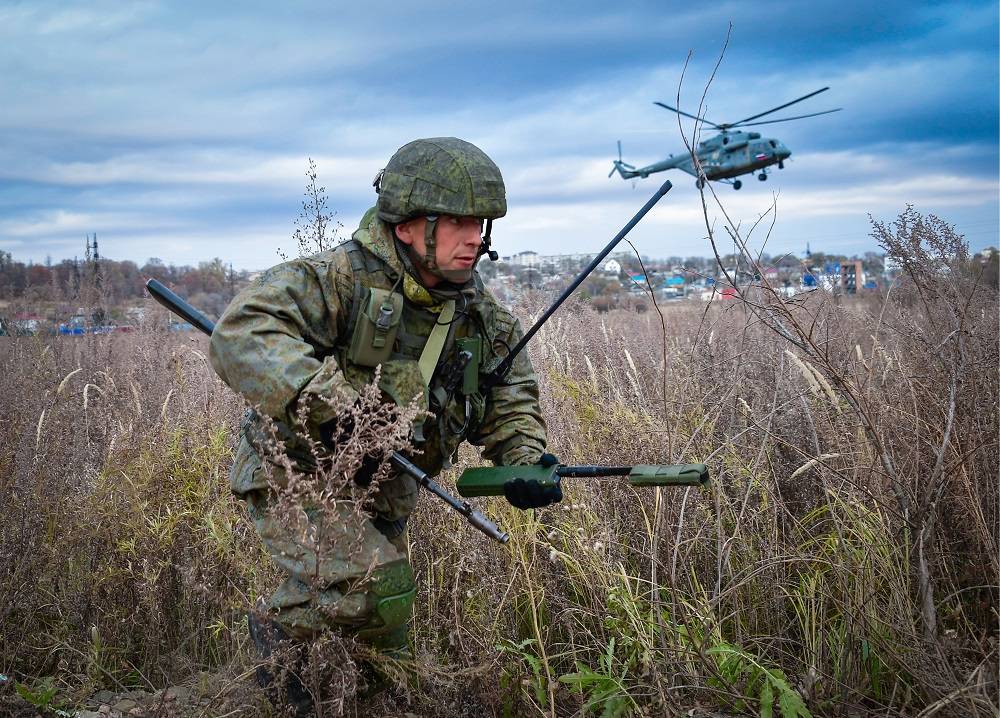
<point>283,344</point>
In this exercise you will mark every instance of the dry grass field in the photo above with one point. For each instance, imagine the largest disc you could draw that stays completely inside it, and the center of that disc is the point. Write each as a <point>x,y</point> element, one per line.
<point>843,561</point>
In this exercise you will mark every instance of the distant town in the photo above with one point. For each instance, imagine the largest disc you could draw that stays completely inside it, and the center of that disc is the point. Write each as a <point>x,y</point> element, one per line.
<point>99,295</point>
<point>623,273</point>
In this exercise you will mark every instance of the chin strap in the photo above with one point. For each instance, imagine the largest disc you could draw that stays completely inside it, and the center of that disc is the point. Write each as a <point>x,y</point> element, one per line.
<point>485,248</point>
<point>430,244</point>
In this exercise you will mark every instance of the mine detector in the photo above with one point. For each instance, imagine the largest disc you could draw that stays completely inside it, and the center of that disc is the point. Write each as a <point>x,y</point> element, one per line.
<point>490,480</point>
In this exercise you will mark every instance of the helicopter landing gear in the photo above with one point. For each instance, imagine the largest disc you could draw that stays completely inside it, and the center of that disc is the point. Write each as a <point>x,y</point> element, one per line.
<point>699,183</point>
<point>762,177</point>
<point>781,165</point>
<point>737,184</point>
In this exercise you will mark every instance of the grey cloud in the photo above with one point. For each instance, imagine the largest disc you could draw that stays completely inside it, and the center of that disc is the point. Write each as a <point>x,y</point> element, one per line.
<point>177,131</point>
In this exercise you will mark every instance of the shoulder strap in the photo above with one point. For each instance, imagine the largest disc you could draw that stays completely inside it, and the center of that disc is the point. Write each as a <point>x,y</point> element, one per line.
<point>359,265</point>
<point>435,342</point>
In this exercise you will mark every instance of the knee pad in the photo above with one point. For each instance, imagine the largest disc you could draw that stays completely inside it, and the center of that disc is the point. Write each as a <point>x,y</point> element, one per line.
<point>391,592</point>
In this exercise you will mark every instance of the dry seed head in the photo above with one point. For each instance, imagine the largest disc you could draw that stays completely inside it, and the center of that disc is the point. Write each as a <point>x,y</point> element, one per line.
<point>811,463</point>
<point>86,394</point>
<point>163,409</point>
<point>135,395</point>
<point>827,389</point>
<point>62,384</point>
<point>633,378</point>
<point>591,371</point>
<point>613,384</point>
<point>38,430</point>
<point>805,371</point>
<point>631,364</point>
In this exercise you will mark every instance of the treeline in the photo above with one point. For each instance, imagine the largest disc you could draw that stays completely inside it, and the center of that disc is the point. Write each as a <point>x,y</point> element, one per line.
<point>114,283</point>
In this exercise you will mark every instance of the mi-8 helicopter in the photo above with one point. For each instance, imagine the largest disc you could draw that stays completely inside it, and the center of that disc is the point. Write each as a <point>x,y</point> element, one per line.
<point>727,155</point>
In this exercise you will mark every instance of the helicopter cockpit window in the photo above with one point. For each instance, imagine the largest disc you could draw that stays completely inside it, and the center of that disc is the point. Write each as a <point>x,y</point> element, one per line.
<point>772,143</point>
<point>725,140</point>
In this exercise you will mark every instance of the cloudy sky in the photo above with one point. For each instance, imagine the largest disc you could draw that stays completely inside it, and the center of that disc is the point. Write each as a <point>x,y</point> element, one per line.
<point>182,130</point>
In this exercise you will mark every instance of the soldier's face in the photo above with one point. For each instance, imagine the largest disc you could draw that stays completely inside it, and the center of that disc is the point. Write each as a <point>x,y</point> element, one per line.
<point>457,241</point>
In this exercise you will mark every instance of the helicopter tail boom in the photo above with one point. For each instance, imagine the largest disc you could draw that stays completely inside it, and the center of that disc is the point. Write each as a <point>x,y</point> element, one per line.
<point>628,171</point>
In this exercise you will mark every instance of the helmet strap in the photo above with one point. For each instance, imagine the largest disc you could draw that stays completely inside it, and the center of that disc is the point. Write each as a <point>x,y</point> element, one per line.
<point>484,248</point>
<point>430,244</point>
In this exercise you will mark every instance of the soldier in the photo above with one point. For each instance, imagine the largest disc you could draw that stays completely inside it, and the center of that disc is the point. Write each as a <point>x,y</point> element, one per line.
<point>402,294</point>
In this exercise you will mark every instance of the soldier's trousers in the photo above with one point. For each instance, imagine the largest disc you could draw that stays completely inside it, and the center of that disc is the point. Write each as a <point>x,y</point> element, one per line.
<point>342,573</point>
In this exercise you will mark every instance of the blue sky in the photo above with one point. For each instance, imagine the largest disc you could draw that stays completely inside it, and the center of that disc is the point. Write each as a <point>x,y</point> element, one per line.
<point>182,131</point>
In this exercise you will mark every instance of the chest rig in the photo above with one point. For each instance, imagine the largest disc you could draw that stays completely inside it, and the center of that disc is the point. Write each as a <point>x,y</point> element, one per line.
<point>434,353</point>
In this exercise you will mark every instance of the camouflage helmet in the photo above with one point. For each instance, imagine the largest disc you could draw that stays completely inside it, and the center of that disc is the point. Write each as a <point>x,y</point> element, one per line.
<point>440,175</point>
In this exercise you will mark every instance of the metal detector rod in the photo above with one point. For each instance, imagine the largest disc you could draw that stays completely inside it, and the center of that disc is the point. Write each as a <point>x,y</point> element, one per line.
<point>180,307</point>
<point>498,374</point>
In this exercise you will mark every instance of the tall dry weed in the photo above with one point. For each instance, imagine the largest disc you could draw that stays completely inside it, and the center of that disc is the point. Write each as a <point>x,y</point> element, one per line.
<point>843,560</point>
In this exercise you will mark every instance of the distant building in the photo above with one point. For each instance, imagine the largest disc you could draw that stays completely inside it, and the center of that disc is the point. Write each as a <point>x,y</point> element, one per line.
<point>852,276</point>
<point>673,287</point>
<point>524,259</point>
<point>612,266</point>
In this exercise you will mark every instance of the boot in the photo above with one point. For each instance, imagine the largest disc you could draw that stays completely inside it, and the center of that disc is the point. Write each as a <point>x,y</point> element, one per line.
<point>282,685</point>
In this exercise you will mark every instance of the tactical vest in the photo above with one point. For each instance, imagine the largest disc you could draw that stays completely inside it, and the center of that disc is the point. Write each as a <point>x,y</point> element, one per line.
<point>401,338</point>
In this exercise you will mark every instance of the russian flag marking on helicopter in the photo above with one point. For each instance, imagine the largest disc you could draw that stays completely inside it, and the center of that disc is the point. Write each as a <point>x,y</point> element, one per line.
<point>761,156</point>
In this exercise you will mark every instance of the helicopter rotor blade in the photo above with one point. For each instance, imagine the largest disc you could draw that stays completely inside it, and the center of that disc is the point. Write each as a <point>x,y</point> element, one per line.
<point>615,166</point>
<point>681,112</point>
<point>786,119</point>
<point>780,107</point>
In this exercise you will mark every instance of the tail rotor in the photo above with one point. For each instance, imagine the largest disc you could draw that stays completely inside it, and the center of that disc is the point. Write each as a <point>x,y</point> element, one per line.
<point>621,167</point>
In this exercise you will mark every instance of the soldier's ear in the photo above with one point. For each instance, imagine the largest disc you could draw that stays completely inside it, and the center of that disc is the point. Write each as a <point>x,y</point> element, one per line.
<point>406,232</point>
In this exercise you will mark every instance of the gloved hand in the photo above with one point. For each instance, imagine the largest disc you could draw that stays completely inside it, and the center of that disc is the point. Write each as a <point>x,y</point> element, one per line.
<point>339,429</point>
<point>523,494</point>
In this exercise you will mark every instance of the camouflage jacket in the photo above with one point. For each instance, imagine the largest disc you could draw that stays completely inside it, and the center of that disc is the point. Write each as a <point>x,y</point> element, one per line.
<point>283,344</point>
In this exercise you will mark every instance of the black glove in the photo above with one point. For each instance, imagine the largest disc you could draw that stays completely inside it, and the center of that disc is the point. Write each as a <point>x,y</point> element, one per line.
<point>523,494</point>
<point>339,429</point>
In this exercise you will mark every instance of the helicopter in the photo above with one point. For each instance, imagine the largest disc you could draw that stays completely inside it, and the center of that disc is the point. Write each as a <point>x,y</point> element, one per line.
<point>727,155</point>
